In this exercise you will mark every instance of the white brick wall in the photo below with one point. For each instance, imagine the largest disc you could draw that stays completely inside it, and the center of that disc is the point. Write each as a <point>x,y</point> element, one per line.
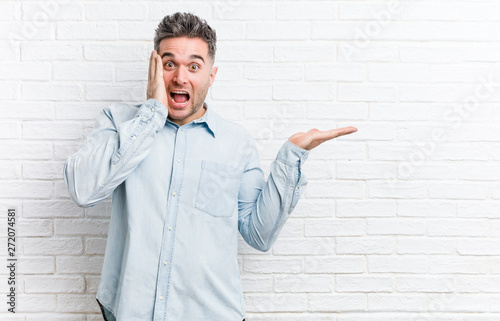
<point>400,221</point>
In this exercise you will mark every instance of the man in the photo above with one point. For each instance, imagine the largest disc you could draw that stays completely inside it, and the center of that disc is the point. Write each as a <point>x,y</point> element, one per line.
<point>184,182</point>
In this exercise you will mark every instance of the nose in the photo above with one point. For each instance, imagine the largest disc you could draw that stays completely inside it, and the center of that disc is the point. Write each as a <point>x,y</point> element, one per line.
<point>180,76</point>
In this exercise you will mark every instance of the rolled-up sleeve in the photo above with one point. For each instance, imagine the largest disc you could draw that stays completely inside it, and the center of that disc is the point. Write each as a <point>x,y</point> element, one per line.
<point>111,152</point>
<point>264,206</point>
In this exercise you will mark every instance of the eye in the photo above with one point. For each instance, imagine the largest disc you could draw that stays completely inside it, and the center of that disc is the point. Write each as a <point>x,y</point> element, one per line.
<point>194,67</point>
<point>169,65</point>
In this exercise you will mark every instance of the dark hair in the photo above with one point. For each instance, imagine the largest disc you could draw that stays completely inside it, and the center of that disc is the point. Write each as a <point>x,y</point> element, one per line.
<point>185,25</point>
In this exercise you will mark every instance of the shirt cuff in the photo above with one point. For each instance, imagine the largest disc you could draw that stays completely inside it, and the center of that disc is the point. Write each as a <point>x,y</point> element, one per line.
<point>153,108</point>
<point>292,154</point>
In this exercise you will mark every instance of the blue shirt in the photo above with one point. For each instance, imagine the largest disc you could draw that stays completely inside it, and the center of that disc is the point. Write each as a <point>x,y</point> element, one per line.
<point>180,196</point>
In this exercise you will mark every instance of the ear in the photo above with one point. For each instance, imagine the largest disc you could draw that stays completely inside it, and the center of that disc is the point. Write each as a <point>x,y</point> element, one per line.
<point>212,75</point>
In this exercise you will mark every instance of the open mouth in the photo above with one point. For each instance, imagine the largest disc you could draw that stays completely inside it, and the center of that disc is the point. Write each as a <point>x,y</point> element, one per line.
<point>179,97</point>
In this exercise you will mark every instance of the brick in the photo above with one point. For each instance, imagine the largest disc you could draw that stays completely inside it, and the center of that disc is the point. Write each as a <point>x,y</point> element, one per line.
<point>9,90</point>
<point>458,265</point>
<point>116,53</point>
<point>339,264</point>
<point>397,264</point>
<point>316,51</point>
<point>51,130</point>
<point>303,283</point>
<point>9,130</point>
<point>10,170</point>
<point>399,111</point>
<point>36,265</point>
<point>336,189</point>
<point>86,71</point>
<point>235,10</point>
<point>52,10</point>
<point>424,93</point>
<point>272,265</point>
<point>43,91</point>
<point>25,71</point>
<point>314,208</point>
<point>336,302</point>
<point>133,30</point>
<point>33,227</point>
<point>50,51</point>
<point>364,245</point>
<point>53,246</point>
<point>256,284</point>
<point>36,303</point>
<point>56,317</point>
<point>274,72</point>
<point>316,246</point>
<point>82,227</point>
<point>92,283</point>
<point>77,303</point>
<point>334,227</point>
<point>393,302</point>
<point>116,11</point>
<point>478,209</point>
<point>54,284</point>
<point>361,170</point>
<point>455,227</point>
<point>27,189</point>
<point>396,189</point>
<point>458,191</point>
<point>247,51</point>
<point>424,284</point>
<point>368,284</point>
<point>344,72</point>
<point>337,111</point>
<point>358,92</point>
<point>157,10</point>
<point>400,73</point>
<point>114,92</point>
<point>237,92</point>
<point>383,226</point>
<point>28,110</point>
<point>369,11</point>
<point>434,245</point>
<point>95,245</point>
<point>311,10</point>
<point>366,208</point>
<point>87,31</point>
<point>79,264</point>
<point>427,11</point>
<point>9,11</point>
<point>477,247</point>
<point>277,30</point>
<point>303,91</point>
<point>275,303</point>
<point>52,208</point>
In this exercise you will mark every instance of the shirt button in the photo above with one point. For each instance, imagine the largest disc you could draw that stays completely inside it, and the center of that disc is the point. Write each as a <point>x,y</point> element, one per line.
<point>170,228</point>
<point>173,194</point>
<point>178,160</point>
<point>152,109</point>
<point>182,131</point>
<point>133,136</point>
<point>297,187</point>
<point>161,297</point>
<point>165,262</point>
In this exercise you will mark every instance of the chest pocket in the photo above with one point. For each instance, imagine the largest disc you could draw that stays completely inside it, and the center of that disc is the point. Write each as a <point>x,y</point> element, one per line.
<point>218,189</point>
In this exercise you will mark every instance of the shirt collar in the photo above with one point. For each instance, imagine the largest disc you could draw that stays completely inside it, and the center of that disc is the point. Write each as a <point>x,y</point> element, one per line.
<point>210,118</point>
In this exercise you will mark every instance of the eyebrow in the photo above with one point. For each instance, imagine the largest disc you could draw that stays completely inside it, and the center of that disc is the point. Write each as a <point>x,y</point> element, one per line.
<point>169,54</point>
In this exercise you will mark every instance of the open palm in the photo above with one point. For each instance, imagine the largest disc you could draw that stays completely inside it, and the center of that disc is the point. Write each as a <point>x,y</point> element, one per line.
<point>315,137</point>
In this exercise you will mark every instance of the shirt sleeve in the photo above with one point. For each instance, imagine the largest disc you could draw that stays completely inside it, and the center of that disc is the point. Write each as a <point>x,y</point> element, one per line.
<point>111,152</point>
<point>264,207</point>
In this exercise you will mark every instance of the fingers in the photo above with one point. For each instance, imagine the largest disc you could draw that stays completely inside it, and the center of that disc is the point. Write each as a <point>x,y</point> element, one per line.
<point>151,71</point>
<point>333,133</point>
<point>159,68</point>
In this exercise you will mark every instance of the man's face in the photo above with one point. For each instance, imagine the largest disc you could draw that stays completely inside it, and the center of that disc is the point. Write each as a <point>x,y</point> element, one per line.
<point>188,72</point>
